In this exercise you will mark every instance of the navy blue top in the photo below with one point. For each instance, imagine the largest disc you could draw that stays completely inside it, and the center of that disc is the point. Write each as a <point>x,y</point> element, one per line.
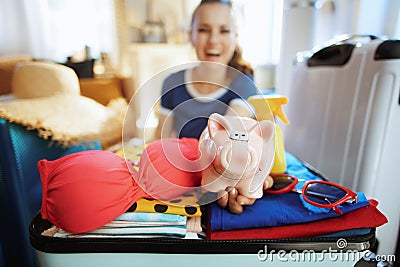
<point>191,109</point>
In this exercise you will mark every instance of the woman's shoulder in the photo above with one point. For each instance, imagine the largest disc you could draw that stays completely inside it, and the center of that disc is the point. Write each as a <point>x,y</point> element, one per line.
<point>173,81</point>
<point>244,84</point>
<point>175,77</point>
<point>244,78</point>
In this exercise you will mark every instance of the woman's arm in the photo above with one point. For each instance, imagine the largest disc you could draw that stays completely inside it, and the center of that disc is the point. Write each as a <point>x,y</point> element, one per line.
<point>240,107</point>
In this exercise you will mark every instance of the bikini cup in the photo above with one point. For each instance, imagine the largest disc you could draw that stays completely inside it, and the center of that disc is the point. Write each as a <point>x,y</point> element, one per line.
<point>169,168</point>
<point>85,190</point>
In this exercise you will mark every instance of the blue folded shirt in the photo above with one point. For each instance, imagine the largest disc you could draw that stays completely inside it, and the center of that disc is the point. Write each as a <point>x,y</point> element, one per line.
<point>276,210</point>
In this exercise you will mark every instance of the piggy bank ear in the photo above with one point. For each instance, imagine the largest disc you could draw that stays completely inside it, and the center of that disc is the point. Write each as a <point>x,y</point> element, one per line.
<point>267,128</point>
<point>217,122</point>
<point>208,152</point>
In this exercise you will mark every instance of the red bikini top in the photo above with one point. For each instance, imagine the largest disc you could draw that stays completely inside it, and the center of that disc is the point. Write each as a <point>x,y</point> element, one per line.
<point>85,190</point>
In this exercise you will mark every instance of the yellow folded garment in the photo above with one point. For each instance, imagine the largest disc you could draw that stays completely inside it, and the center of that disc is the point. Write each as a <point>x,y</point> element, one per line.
<point>185,205</point>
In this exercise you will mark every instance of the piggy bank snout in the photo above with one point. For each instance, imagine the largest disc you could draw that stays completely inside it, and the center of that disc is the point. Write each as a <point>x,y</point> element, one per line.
<point>239,159</point>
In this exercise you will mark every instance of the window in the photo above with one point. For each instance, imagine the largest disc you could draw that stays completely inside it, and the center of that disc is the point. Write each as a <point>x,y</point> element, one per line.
<point>260,30</point>
<point>55,29</point>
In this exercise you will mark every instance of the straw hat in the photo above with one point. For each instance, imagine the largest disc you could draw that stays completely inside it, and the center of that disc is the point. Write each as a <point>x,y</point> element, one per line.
<point>47,99</point>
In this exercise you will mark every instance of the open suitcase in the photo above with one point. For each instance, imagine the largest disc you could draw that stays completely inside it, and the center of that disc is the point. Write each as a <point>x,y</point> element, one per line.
<point>344,112</point>
<point>167,251</point>
<point>61,252</point>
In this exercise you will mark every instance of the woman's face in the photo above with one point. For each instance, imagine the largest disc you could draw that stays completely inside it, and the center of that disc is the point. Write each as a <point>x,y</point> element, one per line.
<point>213,33</point>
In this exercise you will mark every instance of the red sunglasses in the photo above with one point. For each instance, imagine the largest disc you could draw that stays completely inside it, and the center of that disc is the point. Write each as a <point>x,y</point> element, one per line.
<point>319,193</point>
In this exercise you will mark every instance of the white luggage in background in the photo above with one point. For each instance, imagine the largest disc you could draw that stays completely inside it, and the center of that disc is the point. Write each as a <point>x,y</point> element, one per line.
<point>344,112</point>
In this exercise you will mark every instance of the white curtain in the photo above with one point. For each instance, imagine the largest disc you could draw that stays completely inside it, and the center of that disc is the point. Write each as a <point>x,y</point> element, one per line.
<point>55,29</point>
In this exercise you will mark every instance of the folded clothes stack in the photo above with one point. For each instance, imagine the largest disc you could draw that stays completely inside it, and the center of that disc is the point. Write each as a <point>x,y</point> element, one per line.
<point>289,216</point>
<point>136,224</point>
<point>149,218</point>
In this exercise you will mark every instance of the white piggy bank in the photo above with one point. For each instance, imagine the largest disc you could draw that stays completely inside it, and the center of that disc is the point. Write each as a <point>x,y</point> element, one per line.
<point>237,152</point>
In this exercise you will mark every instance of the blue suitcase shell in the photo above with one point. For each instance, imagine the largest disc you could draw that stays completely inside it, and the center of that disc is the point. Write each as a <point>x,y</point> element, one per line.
<point>20,187</point>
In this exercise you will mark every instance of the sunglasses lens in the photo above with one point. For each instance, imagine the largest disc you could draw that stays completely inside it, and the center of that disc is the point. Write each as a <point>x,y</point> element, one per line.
<point>281,182</point>
<point>324,193</point>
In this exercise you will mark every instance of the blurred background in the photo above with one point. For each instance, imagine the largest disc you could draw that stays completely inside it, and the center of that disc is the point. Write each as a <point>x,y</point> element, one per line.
<point>271,31</point>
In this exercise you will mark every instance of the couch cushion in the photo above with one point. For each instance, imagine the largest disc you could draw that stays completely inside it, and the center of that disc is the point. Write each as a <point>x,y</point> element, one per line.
<point>103,90</point>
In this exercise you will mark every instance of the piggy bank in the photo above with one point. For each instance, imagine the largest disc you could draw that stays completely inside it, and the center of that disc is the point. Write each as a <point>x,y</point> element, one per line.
<point>237,152</point>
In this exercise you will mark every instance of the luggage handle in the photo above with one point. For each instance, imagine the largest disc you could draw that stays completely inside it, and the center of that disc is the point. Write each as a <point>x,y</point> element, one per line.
<point>351,38</point>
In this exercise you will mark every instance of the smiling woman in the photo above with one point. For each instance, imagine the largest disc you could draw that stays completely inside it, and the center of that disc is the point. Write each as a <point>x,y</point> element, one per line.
<point>221,81</point>
<point>214,32</point>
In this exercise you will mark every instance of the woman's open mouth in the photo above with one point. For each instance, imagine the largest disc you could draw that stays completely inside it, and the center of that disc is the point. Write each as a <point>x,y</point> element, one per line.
<point>213,53</point>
